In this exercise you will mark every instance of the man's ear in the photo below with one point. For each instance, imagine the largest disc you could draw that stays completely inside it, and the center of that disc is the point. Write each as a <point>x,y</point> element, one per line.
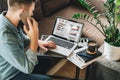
<point>20,12</point>
<point>22,8</point>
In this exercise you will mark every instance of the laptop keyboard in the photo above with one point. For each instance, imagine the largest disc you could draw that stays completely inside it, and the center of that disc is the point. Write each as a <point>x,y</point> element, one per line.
<point>62,43</point>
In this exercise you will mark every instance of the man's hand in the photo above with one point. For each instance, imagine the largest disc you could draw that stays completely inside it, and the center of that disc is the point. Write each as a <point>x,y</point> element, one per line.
<point>33,33</point>
<point>45,45</point>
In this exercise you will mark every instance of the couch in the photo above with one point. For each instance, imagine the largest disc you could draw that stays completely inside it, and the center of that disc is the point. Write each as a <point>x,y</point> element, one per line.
<point>47,10</point>
<point>66,8</point>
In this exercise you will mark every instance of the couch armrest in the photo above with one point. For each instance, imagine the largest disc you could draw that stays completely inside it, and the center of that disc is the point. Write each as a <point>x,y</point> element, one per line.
<point>51,6</point>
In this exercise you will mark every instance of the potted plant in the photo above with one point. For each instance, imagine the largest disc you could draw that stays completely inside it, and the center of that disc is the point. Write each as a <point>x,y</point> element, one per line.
<point>109,31</point>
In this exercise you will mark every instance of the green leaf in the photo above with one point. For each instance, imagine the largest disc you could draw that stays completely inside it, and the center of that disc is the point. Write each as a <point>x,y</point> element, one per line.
<point>76,16</point>
<point>85,15</point>
<point>112,15</point>
<point>106,5</point>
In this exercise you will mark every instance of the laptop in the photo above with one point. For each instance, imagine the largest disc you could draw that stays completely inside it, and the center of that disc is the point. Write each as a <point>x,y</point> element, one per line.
<point>66,34</point>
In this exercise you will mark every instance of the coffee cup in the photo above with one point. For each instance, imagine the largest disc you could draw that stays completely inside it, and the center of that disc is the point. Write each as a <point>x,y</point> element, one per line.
<point>92,47</point>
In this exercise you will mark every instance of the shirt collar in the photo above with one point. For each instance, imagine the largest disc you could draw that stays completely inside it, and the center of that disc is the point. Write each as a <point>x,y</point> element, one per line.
<point>8,23</point>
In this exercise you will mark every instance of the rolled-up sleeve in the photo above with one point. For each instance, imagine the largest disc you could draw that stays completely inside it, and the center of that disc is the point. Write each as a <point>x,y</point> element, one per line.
<point>31,56</point>
<point>12,52</point>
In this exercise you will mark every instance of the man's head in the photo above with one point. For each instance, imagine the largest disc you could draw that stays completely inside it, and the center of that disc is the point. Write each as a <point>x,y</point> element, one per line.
<point>21,5</point>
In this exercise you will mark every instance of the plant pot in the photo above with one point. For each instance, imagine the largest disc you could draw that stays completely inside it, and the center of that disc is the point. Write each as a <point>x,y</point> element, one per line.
<point>111,52</point>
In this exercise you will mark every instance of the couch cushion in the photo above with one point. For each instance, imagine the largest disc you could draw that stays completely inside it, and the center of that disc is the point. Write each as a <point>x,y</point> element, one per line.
<point>90,31</point>
<point>3,5</point>
<point>98,4</point>
<point>46,25</point>
<point>37,14</point>
<point>0,9</point>
<point>51,6</point>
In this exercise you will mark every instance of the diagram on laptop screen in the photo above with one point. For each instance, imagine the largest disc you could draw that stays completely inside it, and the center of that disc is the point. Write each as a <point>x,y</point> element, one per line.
<point>67,29</point>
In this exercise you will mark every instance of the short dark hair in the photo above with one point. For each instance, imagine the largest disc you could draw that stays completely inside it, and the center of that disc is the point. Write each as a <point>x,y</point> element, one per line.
<point>26,2</point>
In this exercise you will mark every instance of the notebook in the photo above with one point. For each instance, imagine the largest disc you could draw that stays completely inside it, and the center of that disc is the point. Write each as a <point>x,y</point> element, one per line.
<point>66,34</point>
<point>84,57</point>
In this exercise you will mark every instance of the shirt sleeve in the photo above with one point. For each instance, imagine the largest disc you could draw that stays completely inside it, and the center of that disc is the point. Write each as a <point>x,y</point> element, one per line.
<point>12,52</point>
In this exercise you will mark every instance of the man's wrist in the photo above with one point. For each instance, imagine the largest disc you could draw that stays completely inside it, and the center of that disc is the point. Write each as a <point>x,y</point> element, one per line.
<point>34,45</point>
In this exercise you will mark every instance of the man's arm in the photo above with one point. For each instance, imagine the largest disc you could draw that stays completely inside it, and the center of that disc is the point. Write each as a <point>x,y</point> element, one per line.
<point>15,55</point>
<point>33,33</point>
<point>13,51</point>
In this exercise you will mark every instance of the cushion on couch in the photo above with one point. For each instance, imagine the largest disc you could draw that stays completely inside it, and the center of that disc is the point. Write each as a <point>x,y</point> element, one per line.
<point>98,4</point>
<point>46,25</point>
<point>3,5</point>
<point>51,6</point>
<point>37,14</point>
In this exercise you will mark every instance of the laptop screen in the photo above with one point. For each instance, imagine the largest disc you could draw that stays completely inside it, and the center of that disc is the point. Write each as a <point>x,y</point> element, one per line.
<point>68,29</point>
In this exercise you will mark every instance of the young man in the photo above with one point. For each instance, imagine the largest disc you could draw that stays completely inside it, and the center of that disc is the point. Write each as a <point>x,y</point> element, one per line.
<point>15,62</point>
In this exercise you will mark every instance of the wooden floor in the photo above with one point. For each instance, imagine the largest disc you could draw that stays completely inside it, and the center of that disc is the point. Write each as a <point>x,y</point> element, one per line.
<point>68,70</point>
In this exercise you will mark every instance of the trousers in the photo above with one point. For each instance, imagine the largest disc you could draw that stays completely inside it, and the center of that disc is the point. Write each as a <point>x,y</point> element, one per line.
<point>23,76</point>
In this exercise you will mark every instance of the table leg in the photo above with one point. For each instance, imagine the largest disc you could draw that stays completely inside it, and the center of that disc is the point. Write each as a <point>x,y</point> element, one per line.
<point>77,73</point>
